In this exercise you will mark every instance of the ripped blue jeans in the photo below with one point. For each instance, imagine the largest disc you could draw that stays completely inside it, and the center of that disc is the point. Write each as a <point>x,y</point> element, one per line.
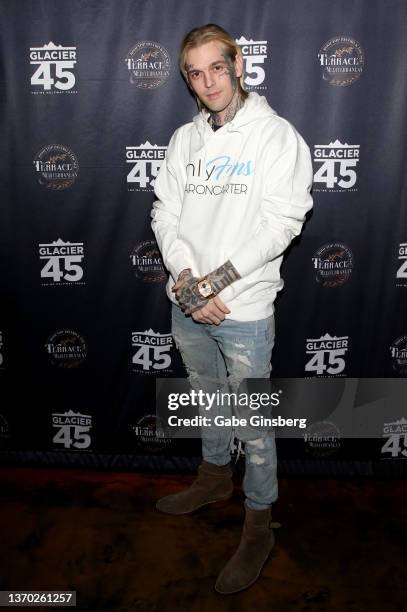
<point>221,357</point>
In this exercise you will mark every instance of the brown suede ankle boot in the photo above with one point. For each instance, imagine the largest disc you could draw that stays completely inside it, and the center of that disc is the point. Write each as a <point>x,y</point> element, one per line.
<point>256,543</point>
<point>214,483</point>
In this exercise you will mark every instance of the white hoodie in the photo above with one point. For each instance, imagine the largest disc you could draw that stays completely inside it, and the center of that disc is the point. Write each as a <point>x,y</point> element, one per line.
<point>238,194</point>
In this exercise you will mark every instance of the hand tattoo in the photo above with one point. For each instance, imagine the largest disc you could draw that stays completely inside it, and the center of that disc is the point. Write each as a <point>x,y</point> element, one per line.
<point>188,295</point>
<point>187,273</point>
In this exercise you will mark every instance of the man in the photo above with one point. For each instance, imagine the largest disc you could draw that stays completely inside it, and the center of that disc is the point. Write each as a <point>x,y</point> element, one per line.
<point>232,193</point>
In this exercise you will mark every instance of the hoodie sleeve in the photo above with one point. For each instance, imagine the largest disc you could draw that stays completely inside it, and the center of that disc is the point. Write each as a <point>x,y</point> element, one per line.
<point>167,211</point>
<point>286,200</point>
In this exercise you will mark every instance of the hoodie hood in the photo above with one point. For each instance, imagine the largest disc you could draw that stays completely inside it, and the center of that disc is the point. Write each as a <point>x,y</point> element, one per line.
<point>255,107</point>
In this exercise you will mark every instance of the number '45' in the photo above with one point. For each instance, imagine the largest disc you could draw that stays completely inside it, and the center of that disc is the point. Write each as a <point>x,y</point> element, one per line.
<point>72,271</point>
<point>326,173</point>
<point>161,358</point>
<point>393,445</point>
<point>65,78</point>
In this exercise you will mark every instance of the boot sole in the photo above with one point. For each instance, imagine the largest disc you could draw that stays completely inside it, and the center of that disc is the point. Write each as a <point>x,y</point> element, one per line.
<point>213,501</point>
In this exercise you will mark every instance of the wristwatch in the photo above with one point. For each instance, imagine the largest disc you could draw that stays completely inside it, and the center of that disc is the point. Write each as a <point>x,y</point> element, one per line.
<point>205,288</point>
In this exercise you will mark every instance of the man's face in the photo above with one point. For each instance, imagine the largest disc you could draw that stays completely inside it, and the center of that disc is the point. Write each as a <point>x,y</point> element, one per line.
<point>213,75</point>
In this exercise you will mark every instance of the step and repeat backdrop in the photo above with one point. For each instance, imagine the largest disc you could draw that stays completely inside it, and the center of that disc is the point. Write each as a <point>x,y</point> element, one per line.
<point>91,94</point>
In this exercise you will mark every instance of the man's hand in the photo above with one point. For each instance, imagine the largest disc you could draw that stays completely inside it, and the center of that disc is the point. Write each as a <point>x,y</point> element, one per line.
<point>190,299</point>
<point>182,277</point>
<point>212,313</point>
<point>186,292</point>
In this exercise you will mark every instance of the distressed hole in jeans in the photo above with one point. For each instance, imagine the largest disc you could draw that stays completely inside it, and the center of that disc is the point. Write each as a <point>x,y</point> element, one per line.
<point>245,360</point>
<point>256,459</point>
<point>242,354</point>
<point>259,443</point>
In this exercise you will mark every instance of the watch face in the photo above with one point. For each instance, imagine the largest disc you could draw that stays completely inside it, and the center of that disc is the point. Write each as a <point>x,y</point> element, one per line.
<point>205,288</point>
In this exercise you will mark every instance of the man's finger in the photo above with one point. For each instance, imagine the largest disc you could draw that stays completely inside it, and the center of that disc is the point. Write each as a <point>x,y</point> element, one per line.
<point>211,308</point>
<point>203,316</point>
<point>221,305</point>
<point>198,317</point>
<point>213,318</point>
<point>212,313</point>
<point>214,310</point>
<point>177,286</point>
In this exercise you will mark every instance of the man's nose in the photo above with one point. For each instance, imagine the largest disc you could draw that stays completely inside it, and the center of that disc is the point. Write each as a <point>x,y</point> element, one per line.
<point>208,79</point>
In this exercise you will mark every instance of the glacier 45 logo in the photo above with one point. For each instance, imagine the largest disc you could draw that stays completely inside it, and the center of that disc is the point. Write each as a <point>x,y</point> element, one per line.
<point>402,270</point>
<point>73,429</point>
<point>145,161</point>
<point>62,262</point>
<point>152,351</point>
<point>396,434</point>
<point>327,355</point>
<point>254,53</point>
<point>54,68</point>
<point>336,166</point>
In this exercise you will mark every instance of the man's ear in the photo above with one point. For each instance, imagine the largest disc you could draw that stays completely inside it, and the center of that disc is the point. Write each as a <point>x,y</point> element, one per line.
<point>239,65</point>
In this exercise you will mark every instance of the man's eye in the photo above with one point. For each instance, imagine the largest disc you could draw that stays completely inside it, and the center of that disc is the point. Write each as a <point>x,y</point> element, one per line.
<point>218,67</point>
<point>194,75</point>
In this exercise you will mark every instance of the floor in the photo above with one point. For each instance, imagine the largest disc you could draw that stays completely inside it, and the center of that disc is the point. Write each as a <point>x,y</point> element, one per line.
<point>341,545</point>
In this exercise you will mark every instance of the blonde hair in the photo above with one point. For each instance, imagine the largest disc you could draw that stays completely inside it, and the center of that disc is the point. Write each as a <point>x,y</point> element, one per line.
<point>205,34</point>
